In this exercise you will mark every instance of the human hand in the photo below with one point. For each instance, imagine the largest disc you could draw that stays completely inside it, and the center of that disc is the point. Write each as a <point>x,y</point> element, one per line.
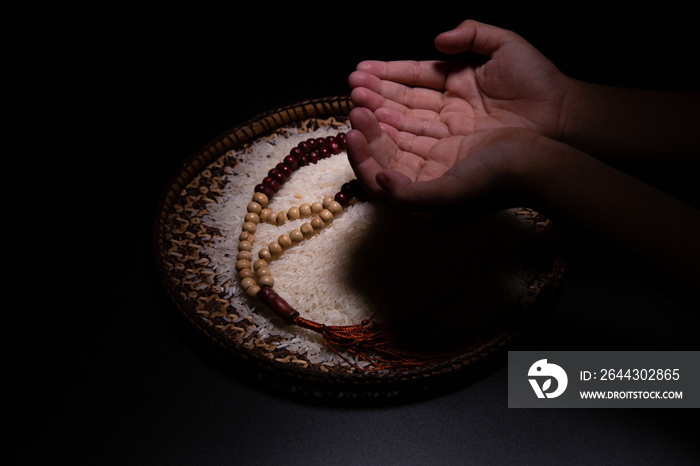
<point>515,87</point>
<point>476,172</point>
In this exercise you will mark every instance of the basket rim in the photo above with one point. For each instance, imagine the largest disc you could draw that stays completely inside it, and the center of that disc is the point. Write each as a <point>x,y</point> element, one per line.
<point>263,124</point>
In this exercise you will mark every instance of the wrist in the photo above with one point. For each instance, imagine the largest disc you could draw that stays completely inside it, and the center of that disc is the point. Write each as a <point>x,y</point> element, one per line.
<point>533,172</point>
<point>570,117</point>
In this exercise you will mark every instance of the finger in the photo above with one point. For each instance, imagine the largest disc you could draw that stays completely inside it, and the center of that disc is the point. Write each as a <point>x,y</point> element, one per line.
<point>427,74</point>
<point>420,123</point>
<point>379,147</point>
<point>363,97</point>
<point>418,147</point>
<point>378,150</point>
<point>411,150</point>
<point>362,163</point>
<point>409,97</point>
<point>472,36</point>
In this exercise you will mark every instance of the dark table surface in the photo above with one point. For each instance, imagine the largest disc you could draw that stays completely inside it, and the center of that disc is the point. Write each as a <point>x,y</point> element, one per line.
<point>105,105</point>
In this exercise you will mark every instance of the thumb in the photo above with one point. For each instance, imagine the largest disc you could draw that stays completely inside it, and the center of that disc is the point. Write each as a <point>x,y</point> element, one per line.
<point>473,36</point>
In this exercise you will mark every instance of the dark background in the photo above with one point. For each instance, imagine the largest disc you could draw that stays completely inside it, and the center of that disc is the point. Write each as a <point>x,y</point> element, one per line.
<point>105,101</point>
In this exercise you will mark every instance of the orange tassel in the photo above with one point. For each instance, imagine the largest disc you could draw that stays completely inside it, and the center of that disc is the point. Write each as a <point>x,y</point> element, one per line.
<point>376,343</point>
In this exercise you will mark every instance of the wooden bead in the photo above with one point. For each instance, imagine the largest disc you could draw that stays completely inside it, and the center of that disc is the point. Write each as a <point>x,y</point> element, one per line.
<point>296,152</point>
<point>290,161</point>
<point>246,236</point>
<point>261,199</point>
<point>249,227</point>
<point>242,264</point>
<point>252,218</point>
<point>281,218</point>
<point>253,291</point>
<point>316,207</point>
<point>262,271</point>
<point>246,273</point>
<point>284,169</point>
<point>335,207</point>
<point>277,175</point>
<point>254,207</point>
<point>326,215</point>
<point>327,201</point>
<point>296,236</point>
<point>343,198</point>
<point>245,255</point>
<point>317,224</point>
<point>259,264</point>
<point>271,183</point>
<point>264,189</point>
<point>247,283</point>
<point>265,254</point>
<point>306,230</point>
<point>245,246</point>
<point>294,213</point>
<point>265,215</point>
<point>285,241</point>
<point>266,280</point>
<point>275,248</point>
<point>304,146</point>
<point>305,210</point>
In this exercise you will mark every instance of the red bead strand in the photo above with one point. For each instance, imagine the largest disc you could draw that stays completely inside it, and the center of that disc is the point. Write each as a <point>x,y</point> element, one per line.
<point>306,152</point>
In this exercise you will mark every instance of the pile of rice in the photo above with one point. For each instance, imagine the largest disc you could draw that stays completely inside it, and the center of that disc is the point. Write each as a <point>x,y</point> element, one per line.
<point>463,282</point>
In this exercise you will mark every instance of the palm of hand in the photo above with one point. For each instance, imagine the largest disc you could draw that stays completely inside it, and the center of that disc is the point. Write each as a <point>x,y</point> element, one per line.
<point>421,106</point>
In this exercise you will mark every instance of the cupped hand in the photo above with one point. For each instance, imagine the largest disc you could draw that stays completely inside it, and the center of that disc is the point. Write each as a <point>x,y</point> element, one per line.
<point>515,86</point>
<point>423,174</point>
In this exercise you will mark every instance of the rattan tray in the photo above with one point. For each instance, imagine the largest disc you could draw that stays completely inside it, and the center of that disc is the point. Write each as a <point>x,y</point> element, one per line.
<point>179,236</point>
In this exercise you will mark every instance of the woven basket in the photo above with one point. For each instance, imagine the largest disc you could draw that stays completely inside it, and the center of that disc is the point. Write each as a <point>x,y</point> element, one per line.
<point>179,235</point>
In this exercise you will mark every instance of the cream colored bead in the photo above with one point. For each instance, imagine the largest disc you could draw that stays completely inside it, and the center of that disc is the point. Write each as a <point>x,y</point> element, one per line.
<point>247,283</point>
<point>305,210</point>
<point>245,246</point>
<point>335,207</point>
<point>253,291</point>
<point>266,280</point>
<point>317,224</point>
<point>265,215</point>
<point>245,255</point>
<point>294,213</point>
<point>262,271</point>
<point>246,273</point>
<point>242,264</point>
<point>296,236</point>
<point>316,207</point>
<point>252,218</point>
<point>259,264</point>
<point>326,215</point>
<point>246,236</point>
<point>275,248</point>
<point>254,207</point>
<point>306,230</point>
<point>285,241</point>
<point>327,201</point>
<point>264,254</point>
<point>249,227</point>
<point>261,199</point>
<point>281,218</point>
